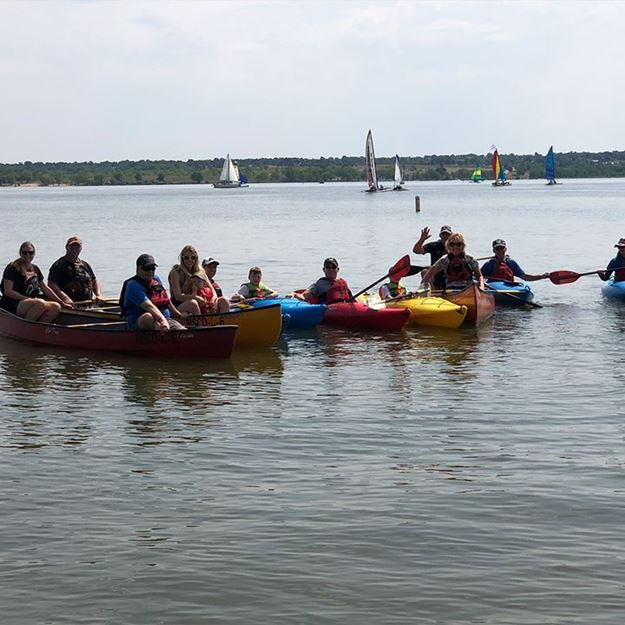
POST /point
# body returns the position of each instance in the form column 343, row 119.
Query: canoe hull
column 302, row 315
column 213, row 342
column 518, row 293
column 614, row 290
column 432, row 311
column 358, row 316
column 480, row 305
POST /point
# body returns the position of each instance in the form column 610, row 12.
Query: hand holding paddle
column 398, row 271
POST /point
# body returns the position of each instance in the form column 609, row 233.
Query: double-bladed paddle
column 566, row 277
column 398, row 271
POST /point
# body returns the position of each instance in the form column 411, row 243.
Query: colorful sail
column 476, row 176
column 550, row 167
column 372, row 174
column 496, row 165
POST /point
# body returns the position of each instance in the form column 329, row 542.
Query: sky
column 92, row 80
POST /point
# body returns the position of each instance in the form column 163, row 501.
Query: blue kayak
column 510, row 293
column 613, row 290
column 302, row 315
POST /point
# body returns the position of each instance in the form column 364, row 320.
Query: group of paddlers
column 146, row 304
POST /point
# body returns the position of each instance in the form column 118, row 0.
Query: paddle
column 566, row 277
column 398, row 271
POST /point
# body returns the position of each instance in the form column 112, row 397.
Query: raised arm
column 418, row 246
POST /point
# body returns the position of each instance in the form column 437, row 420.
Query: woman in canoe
column 616, row 265
column 24, row 291
column 254, row 288
column 183, row 295
column 460, row 268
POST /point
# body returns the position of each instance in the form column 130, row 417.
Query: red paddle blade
column 400, row 269
column 563, row 277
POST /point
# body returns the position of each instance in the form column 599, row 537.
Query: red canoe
column 480, row 305
column 212, row 342
column 355, row 315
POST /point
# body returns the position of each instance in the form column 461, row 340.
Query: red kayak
column 355, row 315
column 480, row 305
column 113, row 336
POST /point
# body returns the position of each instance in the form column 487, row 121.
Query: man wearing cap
column 144, row 301
column 327, row 290
column 210, row 267
column 502, row 267
column 616, row 265
column 72, row 278
column 436, row 250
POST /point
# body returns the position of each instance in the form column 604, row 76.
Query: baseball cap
column 621, row 243
column 145, row 260
column 73, row 239
column 331, row 261
column 209, row 261
column 446, row 229
column 499, row 243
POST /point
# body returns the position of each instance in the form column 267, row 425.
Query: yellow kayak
column 426, row 311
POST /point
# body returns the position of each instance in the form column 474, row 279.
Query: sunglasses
column 189, row 257
column 330, row 267
column 455, row 244
column 149, row 268
column 27, row 252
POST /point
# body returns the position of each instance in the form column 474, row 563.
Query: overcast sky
column 99, row 81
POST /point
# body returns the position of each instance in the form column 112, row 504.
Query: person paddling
column 458, row 267
column 436, row 250
column 330, row 289
column 144, row 300
column 255, row 288
column 616, row 265
column 503, row 268
column 72, row 278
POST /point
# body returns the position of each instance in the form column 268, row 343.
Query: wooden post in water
column 417, row 204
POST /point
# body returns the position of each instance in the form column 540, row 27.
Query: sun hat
column 446, row 229
column 331, row 261
column 145, row 260
column 621, row 242
column 73, row 239
column 499, row 243
column 209, row 261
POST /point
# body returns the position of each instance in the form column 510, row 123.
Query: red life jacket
column 458, row 269
column 157, row 294
column 502, row 271
column 338, row 292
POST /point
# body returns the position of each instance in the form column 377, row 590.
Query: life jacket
column 394, row 288
column 458, row 269
column 502, row 271
column 32, row 287
column 80, row 287
column 216, row 287
column 259, row 290
column 338, row 292
column 154, row 291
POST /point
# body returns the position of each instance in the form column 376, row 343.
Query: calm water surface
column 469, row 476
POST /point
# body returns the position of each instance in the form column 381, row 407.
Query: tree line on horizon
column 293, row 169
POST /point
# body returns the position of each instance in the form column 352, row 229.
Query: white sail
column 229, row 172
column 372, row 174
column 399, row 175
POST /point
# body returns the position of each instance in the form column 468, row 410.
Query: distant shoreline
column 293, row 169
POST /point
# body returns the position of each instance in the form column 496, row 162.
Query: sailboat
column 399, row 176
column 550, row 168
column 229, row 177
column 372, row 174
column 499, row 175
column 476, row 176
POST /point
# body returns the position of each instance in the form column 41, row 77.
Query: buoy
column 417, row 203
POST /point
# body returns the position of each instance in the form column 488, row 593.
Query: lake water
column 458, row 477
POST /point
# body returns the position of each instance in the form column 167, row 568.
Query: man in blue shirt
column 502, row 267
column 145, row 302
column 616, row 265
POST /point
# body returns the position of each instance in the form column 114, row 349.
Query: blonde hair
column 184, row 273
column 456, row 237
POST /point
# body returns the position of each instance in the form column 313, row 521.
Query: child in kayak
column 254, row 289
column 392, row 289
